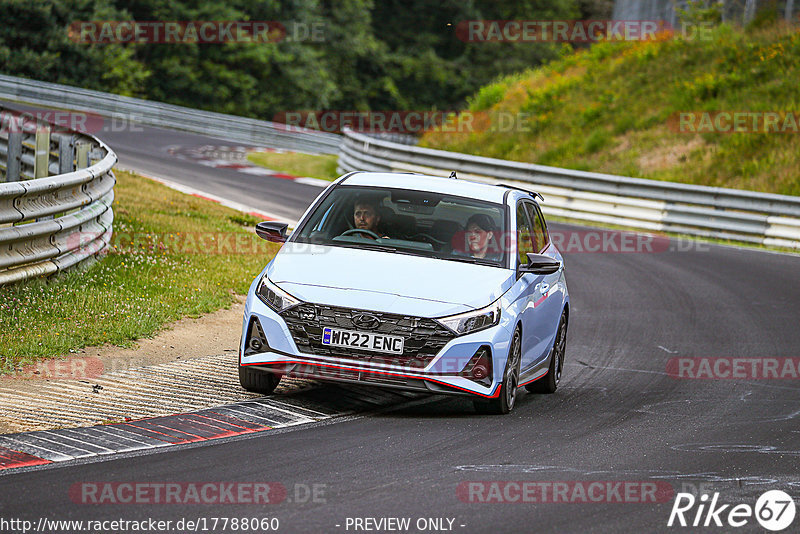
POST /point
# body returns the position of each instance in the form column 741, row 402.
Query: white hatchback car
column 423, row 283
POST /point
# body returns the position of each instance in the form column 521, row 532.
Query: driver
column 366, row 216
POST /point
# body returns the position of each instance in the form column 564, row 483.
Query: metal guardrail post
column 14, row 158
column 66, row 154
column 41, row 161
column 82, row 155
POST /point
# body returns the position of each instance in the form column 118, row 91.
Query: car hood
column 385, row 281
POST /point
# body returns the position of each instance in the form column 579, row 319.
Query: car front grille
column 424, row 338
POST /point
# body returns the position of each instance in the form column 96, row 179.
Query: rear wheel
column 258, row 381
column 549, row 382
column 504, row 403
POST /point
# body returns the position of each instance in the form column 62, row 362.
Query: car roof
column 423, row 182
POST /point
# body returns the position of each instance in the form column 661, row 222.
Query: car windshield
column 409, row 222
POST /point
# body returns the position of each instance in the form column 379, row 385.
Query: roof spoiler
column 532, row 193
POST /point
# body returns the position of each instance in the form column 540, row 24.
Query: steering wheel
column 361, row 231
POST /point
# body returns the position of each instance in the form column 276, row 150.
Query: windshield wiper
column 370, row 246
column 477, row 261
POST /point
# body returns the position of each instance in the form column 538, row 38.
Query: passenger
column 481, row 238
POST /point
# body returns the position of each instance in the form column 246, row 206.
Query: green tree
column 37, row 45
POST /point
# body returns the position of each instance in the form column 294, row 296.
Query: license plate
column 362, row 340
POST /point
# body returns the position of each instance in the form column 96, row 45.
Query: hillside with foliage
column 615, row 108
column 382, row 55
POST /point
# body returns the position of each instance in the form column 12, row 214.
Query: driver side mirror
column 540, row 264
column 272, row 231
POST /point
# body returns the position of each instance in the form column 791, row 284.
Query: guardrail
column 713, row 212
column 228, row 127
column 56, row 191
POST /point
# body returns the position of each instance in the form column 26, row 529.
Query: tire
column 549, row 382
column 257, row 381
column 504, row 403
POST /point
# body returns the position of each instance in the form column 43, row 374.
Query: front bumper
column 280, row 354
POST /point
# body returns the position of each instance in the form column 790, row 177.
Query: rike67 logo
column 774, row 510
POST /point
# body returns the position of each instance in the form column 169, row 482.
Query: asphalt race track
column 617, row 416
column 146, row 152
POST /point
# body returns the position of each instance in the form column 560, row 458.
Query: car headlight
column 466, row 323
column 275, row 297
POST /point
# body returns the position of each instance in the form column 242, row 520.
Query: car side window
column 543, row 226
column 540, row 237
column 524, row 234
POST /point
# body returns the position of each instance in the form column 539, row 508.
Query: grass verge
column 173, row 255
column 321, row 166
column 616, row 107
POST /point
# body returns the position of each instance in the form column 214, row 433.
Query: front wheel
column 504, row 403
column 549, row 382
column 258, row 381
